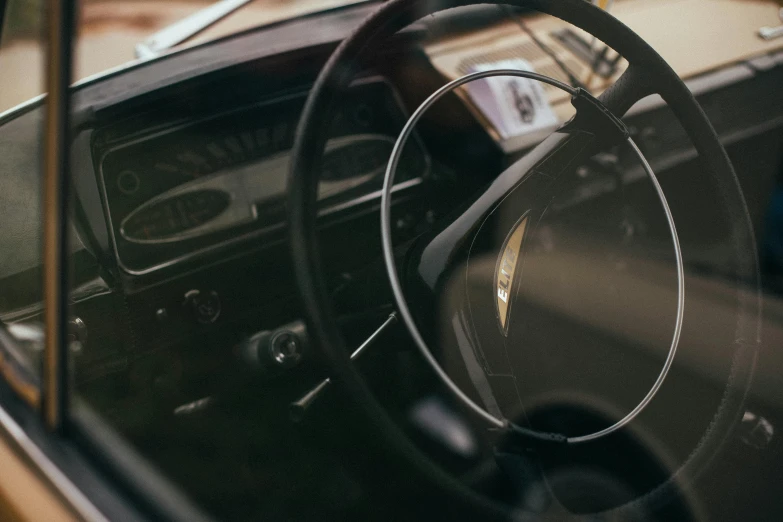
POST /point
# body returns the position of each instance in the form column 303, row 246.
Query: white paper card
column 515, row 106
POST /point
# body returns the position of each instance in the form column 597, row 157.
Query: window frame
column 88, row 466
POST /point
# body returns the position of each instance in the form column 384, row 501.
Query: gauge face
column 175, row 217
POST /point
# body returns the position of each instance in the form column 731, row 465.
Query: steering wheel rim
column 647, row 74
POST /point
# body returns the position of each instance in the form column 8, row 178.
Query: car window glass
column 556, row 309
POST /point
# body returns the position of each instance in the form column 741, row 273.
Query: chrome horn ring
column 399, row 297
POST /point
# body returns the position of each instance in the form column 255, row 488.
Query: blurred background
column 110, row 29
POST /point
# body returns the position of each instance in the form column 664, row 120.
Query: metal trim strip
column 14, row 433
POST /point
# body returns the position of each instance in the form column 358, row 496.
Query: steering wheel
column 647, row 74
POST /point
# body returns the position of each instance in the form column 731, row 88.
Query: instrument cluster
column 176, row 193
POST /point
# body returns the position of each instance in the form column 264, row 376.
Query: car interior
column 421, row 260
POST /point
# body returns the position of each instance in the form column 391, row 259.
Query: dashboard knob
column 280, row 349
column 205, row 306
column 285, row 348
column 77, row 330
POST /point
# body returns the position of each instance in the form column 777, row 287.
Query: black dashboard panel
column 195, row 186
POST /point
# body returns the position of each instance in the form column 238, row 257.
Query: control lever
column 300, row 407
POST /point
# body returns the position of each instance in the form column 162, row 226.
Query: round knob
column 77, row 330
column 205, row 306
column 285, row 348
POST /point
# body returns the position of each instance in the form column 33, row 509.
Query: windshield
column 110, row 30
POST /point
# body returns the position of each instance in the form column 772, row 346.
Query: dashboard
column 179, row 192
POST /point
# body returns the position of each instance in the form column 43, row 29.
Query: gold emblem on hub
column 504, row 272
